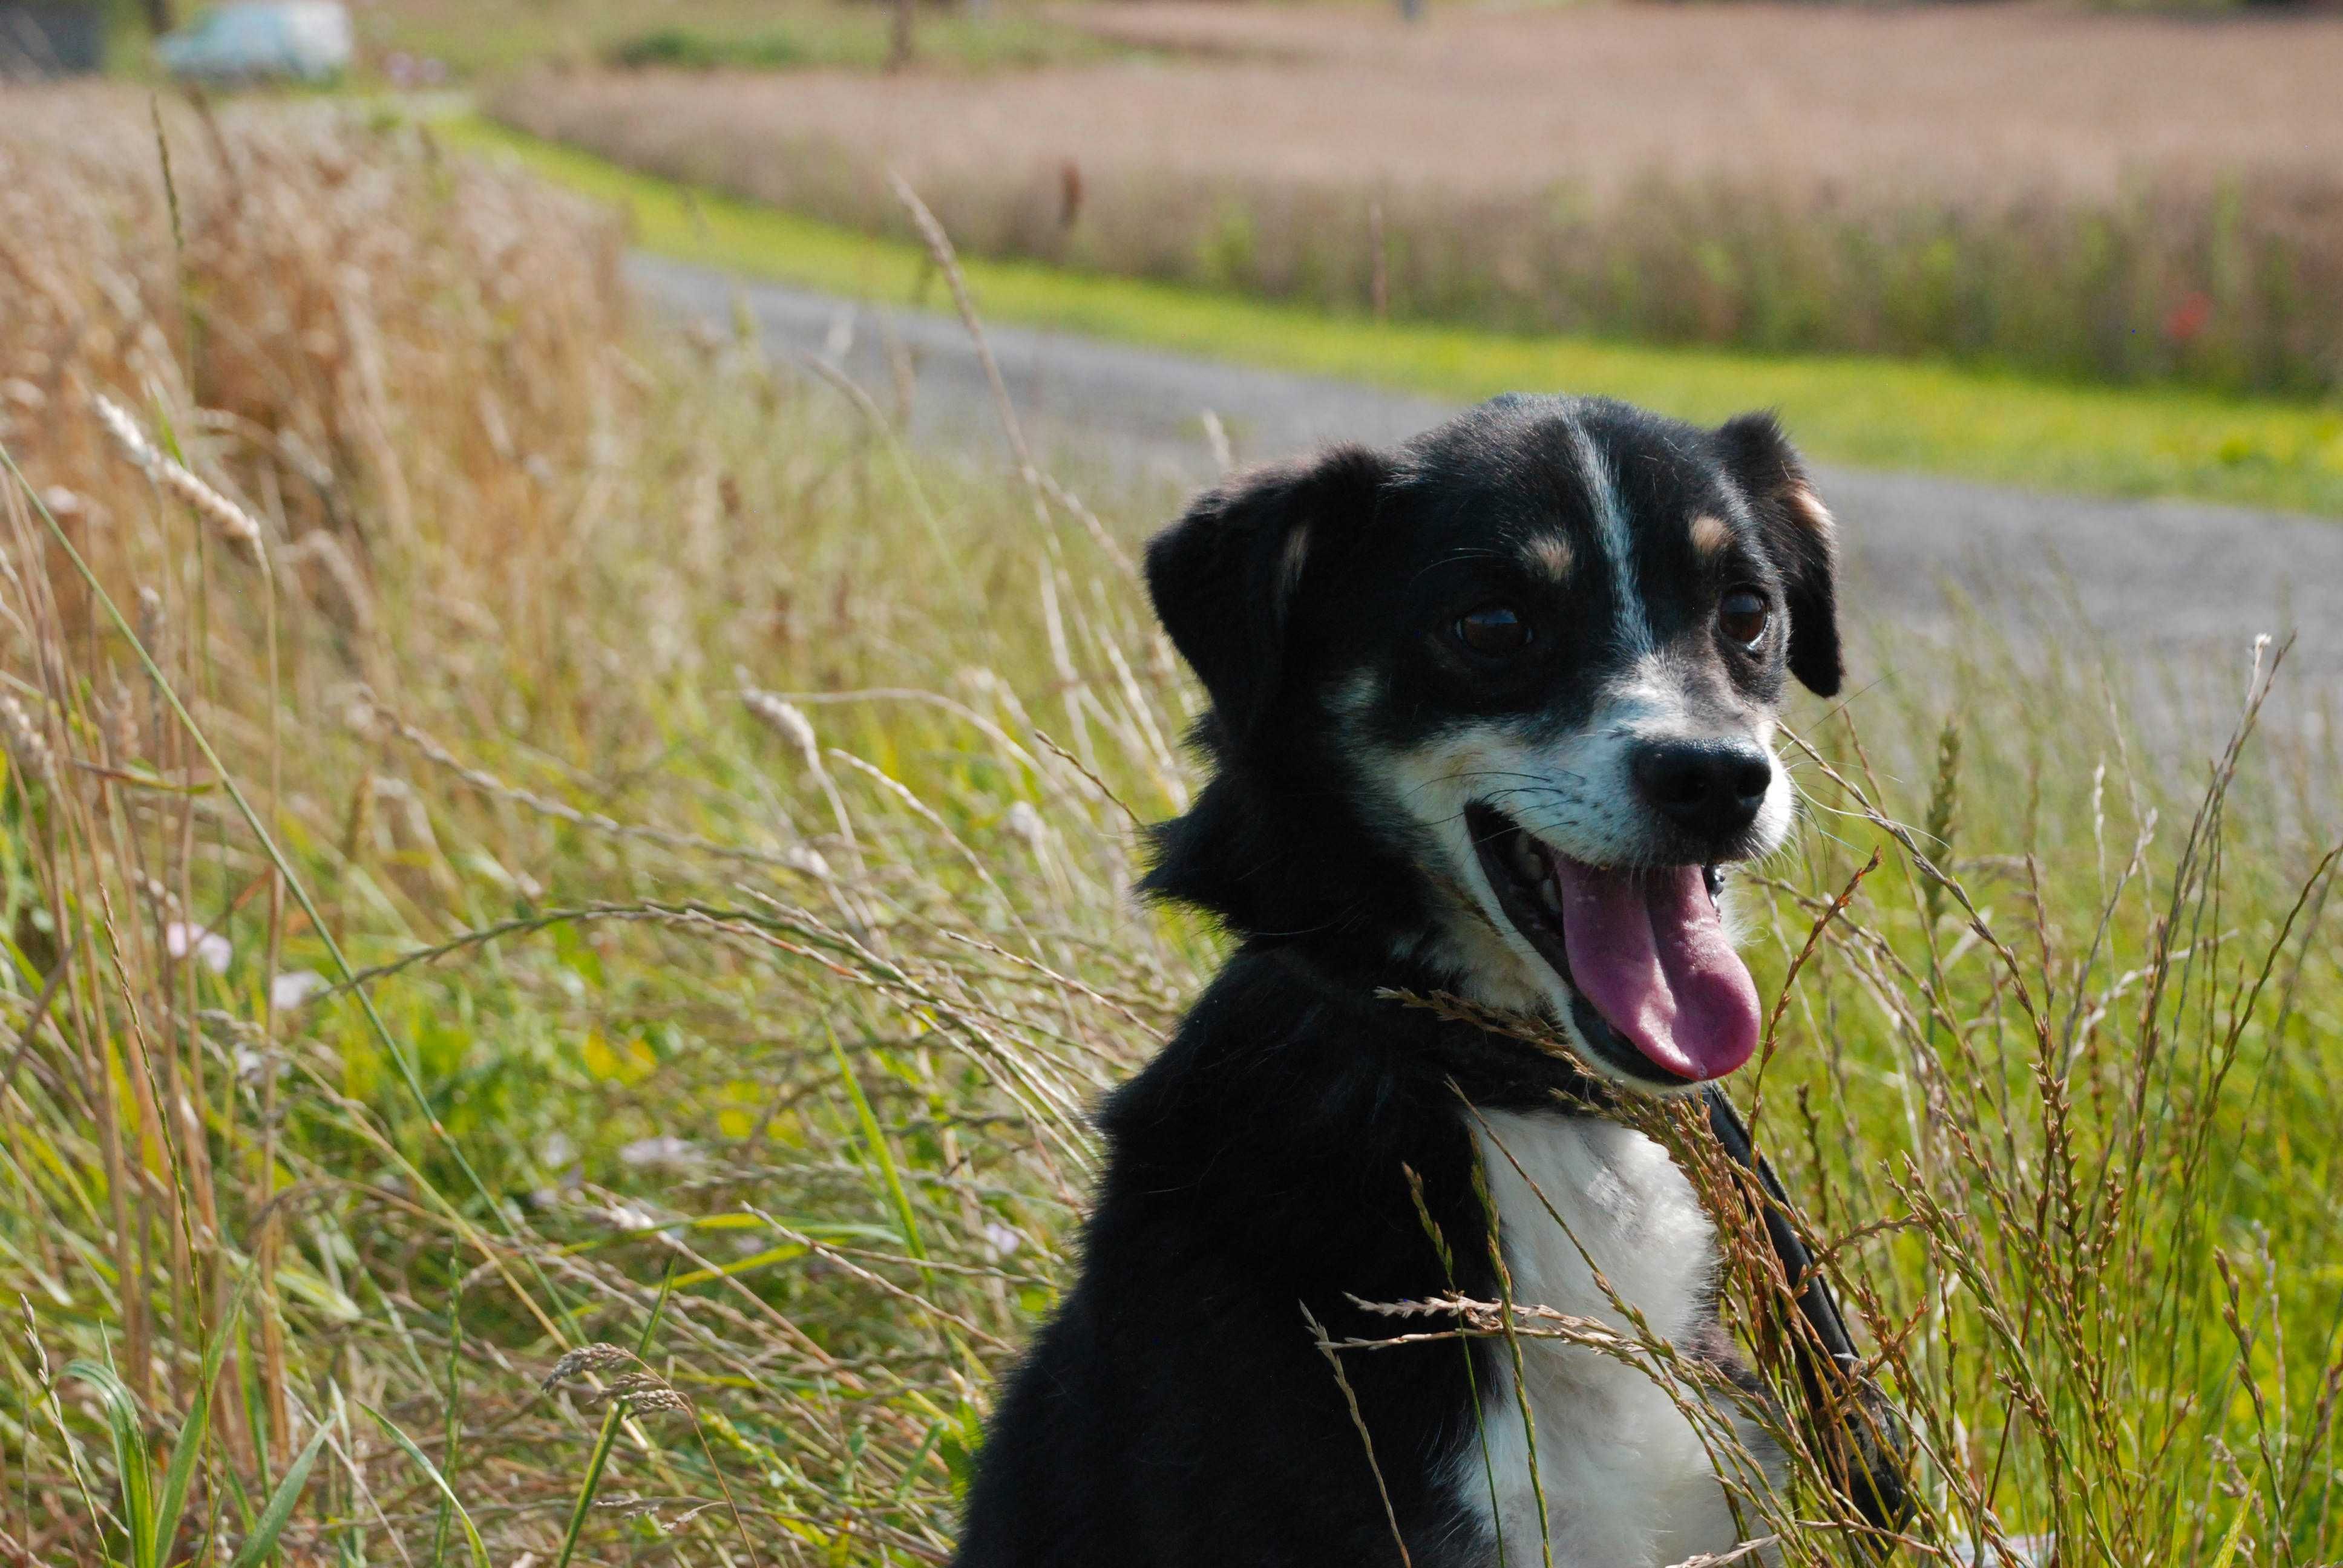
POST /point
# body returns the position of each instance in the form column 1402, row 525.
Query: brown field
column 2092, row 193
column 1955, row 99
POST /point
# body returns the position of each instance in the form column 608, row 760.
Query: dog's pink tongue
column 1648, row 950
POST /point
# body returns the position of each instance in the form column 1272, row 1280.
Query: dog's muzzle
column 1656, row 986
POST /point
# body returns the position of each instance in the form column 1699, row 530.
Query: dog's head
column 1503, row 701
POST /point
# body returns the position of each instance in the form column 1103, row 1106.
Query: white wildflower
column 629, row 1217
column 252, row 1066
column 294, row 986
column 664, row 1152
column 208, row 949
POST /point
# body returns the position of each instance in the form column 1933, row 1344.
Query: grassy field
column 550, row 982
column 1867, row 412
column 2035, row 187
column 477, row 40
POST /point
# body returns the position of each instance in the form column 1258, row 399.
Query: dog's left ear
column 1800, row 536
column 1224, row 578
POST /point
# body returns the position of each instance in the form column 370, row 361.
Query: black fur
column 1175, row 1411
column 1763, row 463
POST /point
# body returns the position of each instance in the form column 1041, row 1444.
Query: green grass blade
column 591, row 1483
column 279, row 1512
column 2228, row 1551
column 877, row 1138
column 423, row 1462
column 130, row 1460
column 455, row 1429
column 190, row 1445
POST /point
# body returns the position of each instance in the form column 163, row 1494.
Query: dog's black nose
column 1711, row 789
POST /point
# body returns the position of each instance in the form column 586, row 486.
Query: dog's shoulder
column 1258, row 1171
column 1279, row 1081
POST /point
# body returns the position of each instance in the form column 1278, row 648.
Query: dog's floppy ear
column 1225, row 577
column 1799, row 536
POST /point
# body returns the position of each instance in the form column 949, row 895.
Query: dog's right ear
column 1225, row 576
column 1800, row 537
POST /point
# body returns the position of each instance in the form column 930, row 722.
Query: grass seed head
column 232, row 522
column 25, row 743
column 592, row 1358
column 788, row 720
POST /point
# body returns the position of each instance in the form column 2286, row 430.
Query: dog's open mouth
column 1656, row 986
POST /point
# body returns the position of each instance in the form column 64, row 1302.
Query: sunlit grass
column 730, row 817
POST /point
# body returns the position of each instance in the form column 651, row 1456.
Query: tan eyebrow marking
column 1709, row 534
column 1807, row 510
column 1551, row 554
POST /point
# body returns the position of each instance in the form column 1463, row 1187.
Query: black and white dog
column 1488, row 713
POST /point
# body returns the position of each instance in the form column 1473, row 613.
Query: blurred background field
column 727, row 805
column 2123, row 198
column 1867, row 410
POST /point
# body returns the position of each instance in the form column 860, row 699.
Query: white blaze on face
column 1634, row 629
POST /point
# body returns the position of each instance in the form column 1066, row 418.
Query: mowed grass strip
column 479, row 38
column 1867, row 412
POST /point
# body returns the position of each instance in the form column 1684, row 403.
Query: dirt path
column 2169, row 594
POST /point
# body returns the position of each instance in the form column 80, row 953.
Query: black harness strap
column 1869, row 1442
column 1813, row 1292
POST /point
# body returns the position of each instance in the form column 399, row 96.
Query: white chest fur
column 1628, row 1483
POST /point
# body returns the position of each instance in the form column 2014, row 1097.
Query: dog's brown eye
column 1742, row 615
column 1493, row 631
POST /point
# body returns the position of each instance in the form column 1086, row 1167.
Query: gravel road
column 2170, row 594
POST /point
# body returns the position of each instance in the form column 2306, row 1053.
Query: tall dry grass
column 584, row 1009
column 802, row 999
